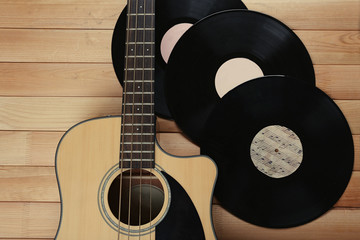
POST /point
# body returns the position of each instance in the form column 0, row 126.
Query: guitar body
column 87, row 163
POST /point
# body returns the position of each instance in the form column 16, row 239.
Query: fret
column 138, row 119
column 138, row 114
column 138, row 21
column 138, row 138
column 132, row 76
column 139, row 92
column 139, row 86
column 138, row 98
column 146, row 56
column 139, row 69
column 138, row 109
column 139, row 63
column 138, row 146
column 138, row 151
column 139, row 104
column 141, row 36
column 138, row 134
column 142, row 14
column 139, row 43
column 141, row 50
column 129, row 155
column 139, row 81
column 141, row 6
column 139, row 124
column 136, row 159
column 137, row 164
column 141, row 29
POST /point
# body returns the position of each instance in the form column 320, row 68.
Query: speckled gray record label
column 275, row 116
column 276, row 151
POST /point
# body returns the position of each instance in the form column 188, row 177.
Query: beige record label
column 276, row 151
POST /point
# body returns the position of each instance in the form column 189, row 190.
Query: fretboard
column 138, row 118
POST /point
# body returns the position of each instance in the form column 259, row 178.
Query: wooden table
column 55, row 71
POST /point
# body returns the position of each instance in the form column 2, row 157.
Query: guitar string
column 122, row 132
column 133, row 117
column 152, row 53
column 142, row 115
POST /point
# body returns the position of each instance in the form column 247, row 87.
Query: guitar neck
column 138, row 117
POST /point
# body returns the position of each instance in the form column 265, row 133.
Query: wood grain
column 38, row 184
column 40, row 220
column 58, row 79
column 307, row 14
column 29, row 220
column 19, row 148
column 334, row 225
column 55, row 70
column 99, row 80
column 60, row 113
column 28, row 184
column 339, row 81
column 39, row 45
column 86, row 46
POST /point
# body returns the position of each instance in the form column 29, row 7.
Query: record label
column 276, row 151
column 235, row 72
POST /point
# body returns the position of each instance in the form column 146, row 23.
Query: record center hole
column 171, row 37
column 146, row 201
column 235, row 72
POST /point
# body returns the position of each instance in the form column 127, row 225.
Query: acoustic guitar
column 115, row 181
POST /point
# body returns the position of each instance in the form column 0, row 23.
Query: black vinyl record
column 192, row 67
column 327, row 151
column 168, row 14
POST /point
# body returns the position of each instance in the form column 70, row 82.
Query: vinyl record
column 169, row 13
column 200, row 53
column 284, row 151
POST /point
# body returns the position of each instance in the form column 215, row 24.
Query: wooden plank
column 310, row 14
column 29, row 220
column 54, row 79
column 53, row 113
column 60, row 14
column 332, row 47
column 18, row 148
column 99, row 80
column 38, row 184
column 351, row 111
column 336, row 224
column 351, row 196
column 40, row 220
column 28, row 148
column 60, row 113
column 307, row 14
column 339, row 81
column 38, row 45
column 177, row 144
column 28, row 184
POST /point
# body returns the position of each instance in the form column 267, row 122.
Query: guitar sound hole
column 141, row 192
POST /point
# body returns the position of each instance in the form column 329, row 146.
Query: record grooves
column 168, row 14
column 326, row 144
column 193, row 64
